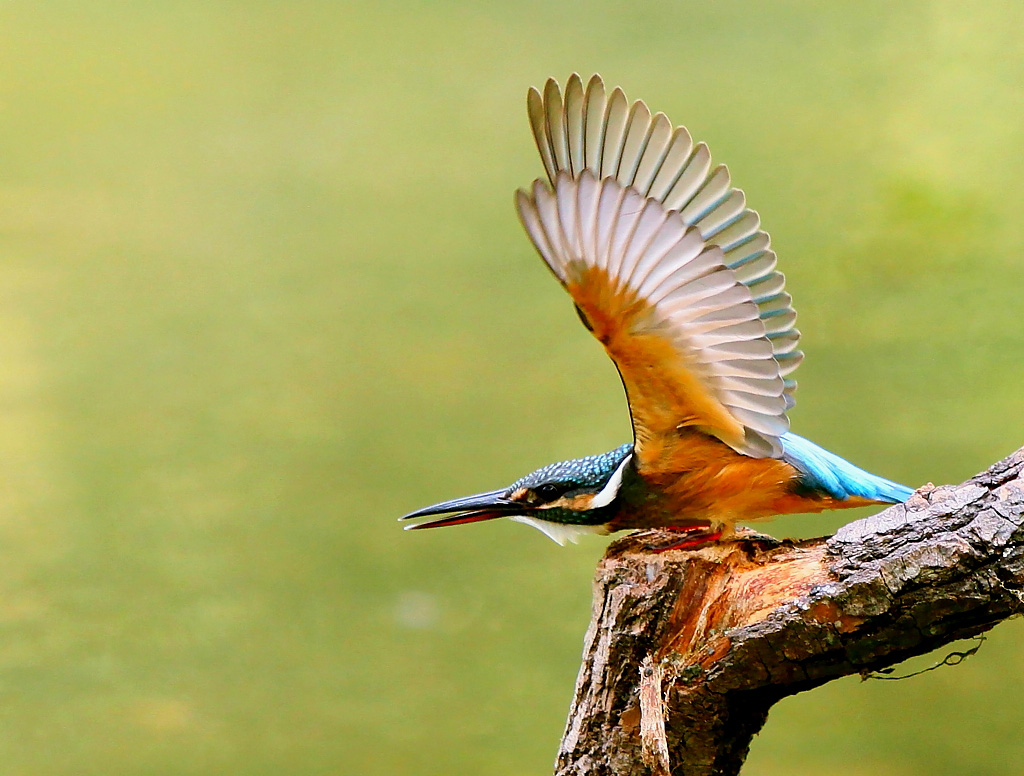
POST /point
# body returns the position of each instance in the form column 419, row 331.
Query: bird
column 669, row 269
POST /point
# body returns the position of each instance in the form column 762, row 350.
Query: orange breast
column 700, row 478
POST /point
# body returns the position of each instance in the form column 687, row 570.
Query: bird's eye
column 547, row 492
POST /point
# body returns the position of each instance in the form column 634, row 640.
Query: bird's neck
column 635, row 494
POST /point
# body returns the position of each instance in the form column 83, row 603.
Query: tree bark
column 688, row 650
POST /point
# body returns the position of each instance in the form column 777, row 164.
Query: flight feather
column 685, row 333
column 588, row 128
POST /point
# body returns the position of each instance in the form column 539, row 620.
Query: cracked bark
column 688, row 650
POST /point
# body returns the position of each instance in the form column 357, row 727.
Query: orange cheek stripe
column 578, row 503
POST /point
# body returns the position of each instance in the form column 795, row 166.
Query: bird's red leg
column 696, row 536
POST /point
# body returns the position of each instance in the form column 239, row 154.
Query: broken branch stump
column 689, row 649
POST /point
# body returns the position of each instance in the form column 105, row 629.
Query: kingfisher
column 671, row 272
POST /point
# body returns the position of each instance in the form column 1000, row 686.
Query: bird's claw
column 692, row 539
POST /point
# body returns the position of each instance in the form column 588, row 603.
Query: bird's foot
column 696, row 536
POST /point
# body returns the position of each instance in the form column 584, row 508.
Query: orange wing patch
column 663, row 394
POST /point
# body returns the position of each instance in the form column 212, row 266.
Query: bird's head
column 561, row 499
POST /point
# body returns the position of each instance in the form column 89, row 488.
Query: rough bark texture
column 689, row 649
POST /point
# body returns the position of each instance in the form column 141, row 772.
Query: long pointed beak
column 493, row 501
column 460, row 518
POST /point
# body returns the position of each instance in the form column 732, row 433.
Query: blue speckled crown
column 589, row 472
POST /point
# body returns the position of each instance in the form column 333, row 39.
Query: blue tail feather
column 827, row 472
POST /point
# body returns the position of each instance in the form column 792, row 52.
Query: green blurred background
column 262, row 289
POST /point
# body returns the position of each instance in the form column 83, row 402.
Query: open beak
column 469, row 509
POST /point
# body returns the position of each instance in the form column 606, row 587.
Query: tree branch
column 689, row 649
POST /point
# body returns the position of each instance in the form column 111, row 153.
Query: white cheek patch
column 611, row 488
column 560, row 532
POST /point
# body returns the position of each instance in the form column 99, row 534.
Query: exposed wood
column 688, row 650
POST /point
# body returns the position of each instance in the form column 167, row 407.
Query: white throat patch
column 560, row 532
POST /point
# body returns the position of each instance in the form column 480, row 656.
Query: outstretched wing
column 684, row 331
column 588, row 129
